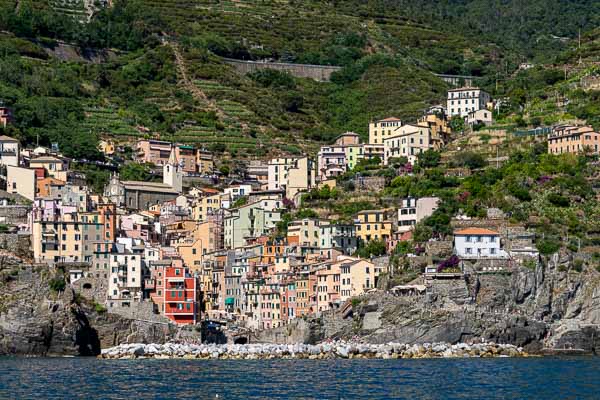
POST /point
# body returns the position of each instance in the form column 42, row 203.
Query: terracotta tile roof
column 390, row 119
column 475, row 231
column 406, row 236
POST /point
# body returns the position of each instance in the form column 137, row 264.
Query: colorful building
column 372, row 225
column 573, row 139
column 176, row 293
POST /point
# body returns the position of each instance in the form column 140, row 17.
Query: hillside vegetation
column 166, row 78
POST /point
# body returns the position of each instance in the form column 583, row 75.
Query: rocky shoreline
column 331, row 350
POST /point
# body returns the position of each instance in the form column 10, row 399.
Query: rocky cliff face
column 36, row 320
column 550, row 307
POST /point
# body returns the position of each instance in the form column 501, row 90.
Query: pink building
column 156, row 152
column 332, row 161
column 186, row 155
column 328, row 286
column 288, row 300
column 139, row 226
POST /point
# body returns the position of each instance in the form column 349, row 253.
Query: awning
column 229, row 301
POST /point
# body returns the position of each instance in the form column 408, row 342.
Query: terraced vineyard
column 79, row 9
column 107, row 121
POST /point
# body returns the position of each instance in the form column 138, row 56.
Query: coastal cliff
column 36, row 319
column 550, row 307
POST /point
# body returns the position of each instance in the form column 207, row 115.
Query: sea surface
column 89, row 378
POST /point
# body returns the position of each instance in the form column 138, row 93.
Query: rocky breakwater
column 339, row 349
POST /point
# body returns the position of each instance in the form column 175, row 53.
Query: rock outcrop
column 549, row 307
column 38, row 320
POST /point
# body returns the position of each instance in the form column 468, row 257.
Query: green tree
column 428, row 159
column 373, row 248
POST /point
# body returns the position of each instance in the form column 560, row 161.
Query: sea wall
column 330, row 350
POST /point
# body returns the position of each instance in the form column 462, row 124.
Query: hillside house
column 573, row 139
column 463, row 101
column 473, row 243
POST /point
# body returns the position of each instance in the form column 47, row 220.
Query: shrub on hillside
column 558, row 200
column 57, row 284
column 548, row 246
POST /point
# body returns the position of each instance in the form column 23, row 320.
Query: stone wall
column 18, row 244
column 439, row 249
column 91, row 288
column 143, row 311
column 297, row 331
column 14, row 214
column 369, row 183
column 321, row 73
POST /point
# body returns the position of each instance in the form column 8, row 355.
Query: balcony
column 50, row 241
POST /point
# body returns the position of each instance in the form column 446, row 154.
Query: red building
column 176, row 293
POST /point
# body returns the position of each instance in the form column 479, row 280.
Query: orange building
column 45, row 186
column 108, row 217
column 573, row 139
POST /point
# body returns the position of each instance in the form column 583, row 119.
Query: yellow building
column 293, row 175
column 67, row 240
column 372, row 225
column 205, row 206
column 205, row 162
column 438, row 125
column 56, row 167
column 382, row 129
column 203, row 239
column 107, row 147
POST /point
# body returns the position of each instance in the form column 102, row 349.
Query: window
column 468, row 250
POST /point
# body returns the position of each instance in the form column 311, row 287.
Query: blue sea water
column 81, row 378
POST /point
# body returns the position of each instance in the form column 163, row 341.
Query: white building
column 9, row 151
column 407, row 141
column 233, row 193
column 331, row 161
column 478, row 243
column 415, row 210
column 125, row 279
column 479, row 117
column 293, row 175
column 21, row 181
column 464, row 100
